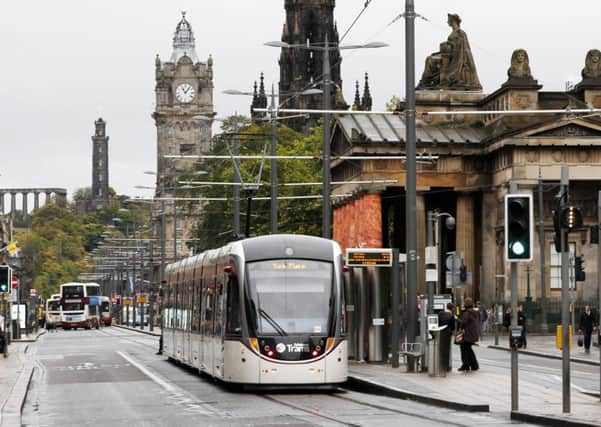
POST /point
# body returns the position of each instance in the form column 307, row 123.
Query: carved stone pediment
column 569, row 130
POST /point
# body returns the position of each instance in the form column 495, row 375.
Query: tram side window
column 219, row 295
column 233, row 324
column 194, row 308
column 178, row 305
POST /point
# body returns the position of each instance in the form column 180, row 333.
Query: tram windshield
column 290, row 296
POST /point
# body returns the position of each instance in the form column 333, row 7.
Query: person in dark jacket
column 587, row 325
column 447, row 318
column 522, row 323
column 469, row 322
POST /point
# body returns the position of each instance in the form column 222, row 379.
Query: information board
column 368, row 257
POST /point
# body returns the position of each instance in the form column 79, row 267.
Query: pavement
column 15, row 374
column 488, row 391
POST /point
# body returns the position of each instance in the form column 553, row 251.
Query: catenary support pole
column 515, row 398
column 326, row 214
column 599, row 280
column 396, row 304
column 410, row 199
column 237, row 180
column 541, row 236
column 151, row 289
column 274, row 167
column 565, row 298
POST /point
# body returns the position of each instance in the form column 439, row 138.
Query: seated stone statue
column 520, row 65
column 592, row 65
column 453, row 67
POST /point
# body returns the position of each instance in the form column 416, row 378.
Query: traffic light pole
column 513, row 188
column 565, row 300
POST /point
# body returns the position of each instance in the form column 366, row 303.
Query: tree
column 393, row 104
column 295, row 216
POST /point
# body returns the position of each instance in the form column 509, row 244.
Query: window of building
column 556, row 267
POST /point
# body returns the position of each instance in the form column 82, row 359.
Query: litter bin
column 436, row 350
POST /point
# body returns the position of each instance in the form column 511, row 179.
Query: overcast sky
column 67, row 62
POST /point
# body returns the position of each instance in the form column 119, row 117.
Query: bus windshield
column 290, row 296
column 104, row 307
column 54, row 306
column 72, row 292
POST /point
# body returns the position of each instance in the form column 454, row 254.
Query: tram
column 263, row 311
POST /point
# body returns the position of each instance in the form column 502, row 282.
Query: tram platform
column 489, row 388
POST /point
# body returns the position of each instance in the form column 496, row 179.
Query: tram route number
column 366, row 257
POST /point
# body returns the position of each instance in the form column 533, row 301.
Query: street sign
column 94, row 301
column 455, row 282
column 33, row 293
column 453, row 262
column 142, row 299
column 368, row 257
column 14, row 282
column 127, row 301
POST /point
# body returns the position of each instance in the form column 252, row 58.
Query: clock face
column 185, row 93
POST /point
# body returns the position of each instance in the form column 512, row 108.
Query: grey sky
column 67, row 62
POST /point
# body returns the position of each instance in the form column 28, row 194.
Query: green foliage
column 54, row 248
column 294, row 216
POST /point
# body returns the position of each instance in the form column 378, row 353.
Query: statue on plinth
column 452, row 68
column 592, row 65
column 520, row 65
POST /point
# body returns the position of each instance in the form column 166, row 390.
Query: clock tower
column 183, row 90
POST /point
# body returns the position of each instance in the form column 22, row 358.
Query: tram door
column 206, row 327
column 218, row 323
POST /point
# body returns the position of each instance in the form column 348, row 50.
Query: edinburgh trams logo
column 292, row 348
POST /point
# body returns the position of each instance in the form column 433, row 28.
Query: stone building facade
column 466, row 164
column 184, row 91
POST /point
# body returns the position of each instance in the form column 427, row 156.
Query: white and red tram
column 267, row 310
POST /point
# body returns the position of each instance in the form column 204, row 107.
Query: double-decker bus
column 264, row 311
column 106, row 311
column 80, row 305
column 53, row 310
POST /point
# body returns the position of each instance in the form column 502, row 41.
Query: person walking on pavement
column 587, row 325
column 469, row 322
column 522, row 323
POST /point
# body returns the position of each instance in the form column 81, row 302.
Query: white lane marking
column 153, row 377
column 175, row 394
column 574, row 386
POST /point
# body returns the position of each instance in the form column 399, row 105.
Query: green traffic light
column 518, row 249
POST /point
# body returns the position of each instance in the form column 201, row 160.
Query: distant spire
column 183, row 41
column 366, row 102
column 259, row 99
column 357, row 101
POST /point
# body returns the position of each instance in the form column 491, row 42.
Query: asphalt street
column 112, row 377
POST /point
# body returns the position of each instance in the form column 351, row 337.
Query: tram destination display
column 368, row 257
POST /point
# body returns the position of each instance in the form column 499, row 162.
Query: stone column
column 465, row 235
column 421, row 243
column 24, row 195
column 48, row 196
column 36, row 200
column 489, row 282
column 13, row 202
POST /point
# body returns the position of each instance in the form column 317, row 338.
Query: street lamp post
column 326, row 208
column 273, row 146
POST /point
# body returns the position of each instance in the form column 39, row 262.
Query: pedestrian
column 447, row 318
column 522, row 323
column 469, row 323
column 507, row 318
column 587, row 325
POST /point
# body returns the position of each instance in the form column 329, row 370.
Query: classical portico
column 466, row 164
column 57, row 194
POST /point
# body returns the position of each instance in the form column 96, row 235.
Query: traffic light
column 5, row 278
column 571, row 218
column 518, row 227
column 579, row 273
column 463, row 273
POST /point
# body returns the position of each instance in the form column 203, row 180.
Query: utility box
column 559, row 336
